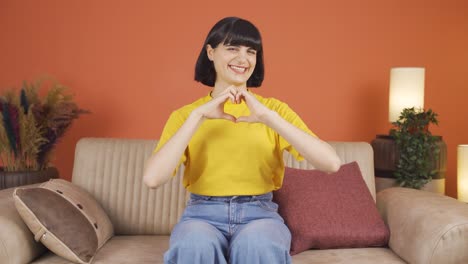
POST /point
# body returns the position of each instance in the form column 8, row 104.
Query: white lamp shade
column 406, row 90
column 462, row 172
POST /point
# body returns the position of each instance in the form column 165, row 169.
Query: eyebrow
column 250, row 48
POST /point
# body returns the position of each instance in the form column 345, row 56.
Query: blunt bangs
column 243, row 33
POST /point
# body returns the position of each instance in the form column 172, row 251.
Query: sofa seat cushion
column 150, row 249
column 121, row 250
column 348, row 256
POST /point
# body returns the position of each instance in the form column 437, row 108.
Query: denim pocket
column 267, row 205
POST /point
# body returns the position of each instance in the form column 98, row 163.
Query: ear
column 209, row 52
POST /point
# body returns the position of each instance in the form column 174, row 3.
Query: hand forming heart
column 214, row 109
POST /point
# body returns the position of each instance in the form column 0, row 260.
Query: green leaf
column 418, row 149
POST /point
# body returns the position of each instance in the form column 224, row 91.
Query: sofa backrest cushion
column 112, row 171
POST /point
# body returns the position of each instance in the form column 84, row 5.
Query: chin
column 239, row 81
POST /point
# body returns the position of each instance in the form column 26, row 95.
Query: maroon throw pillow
column 327, row 211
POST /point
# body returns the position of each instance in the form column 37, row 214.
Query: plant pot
column 386, row 156
column 9, row 179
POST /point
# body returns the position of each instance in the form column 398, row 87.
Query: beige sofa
column 425, row 227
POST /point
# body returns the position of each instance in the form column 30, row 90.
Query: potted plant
column 30, row 128
column 417, row 149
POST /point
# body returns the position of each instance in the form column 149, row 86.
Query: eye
column 231, row 48
column 253, row 52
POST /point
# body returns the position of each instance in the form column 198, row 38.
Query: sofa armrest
column 425, row 227
column 17, row 244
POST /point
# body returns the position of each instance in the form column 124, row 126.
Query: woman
column 231, row 143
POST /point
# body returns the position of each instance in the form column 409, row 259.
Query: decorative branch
column 30, row 128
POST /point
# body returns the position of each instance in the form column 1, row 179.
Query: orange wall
column 131, row 62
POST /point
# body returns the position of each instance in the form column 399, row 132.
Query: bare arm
column 315, row 151
column 160, row 165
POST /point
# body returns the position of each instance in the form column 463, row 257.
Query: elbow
column 151, row 180
column 334, row 162
column 328, row 166
column 334, row 165
column 151, row 175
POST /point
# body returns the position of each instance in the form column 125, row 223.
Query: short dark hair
column 231, row 31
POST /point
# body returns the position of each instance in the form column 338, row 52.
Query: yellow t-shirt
column 226, row 158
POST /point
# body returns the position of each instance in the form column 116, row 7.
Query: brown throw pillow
column 325, row 211
column 65, row 218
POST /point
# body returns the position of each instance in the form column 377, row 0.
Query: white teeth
column 238, row 68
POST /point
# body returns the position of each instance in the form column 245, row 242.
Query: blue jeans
column 230, row 229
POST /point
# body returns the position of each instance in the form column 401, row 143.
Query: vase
column 9, row 179
column 386, row 156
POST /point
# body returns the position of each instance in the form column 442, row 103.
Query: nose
column 242, row 56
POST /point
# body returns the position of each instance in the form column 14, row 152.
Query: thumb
column 228, row 117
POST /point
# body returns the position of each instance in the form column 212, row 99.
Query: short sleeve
column 173, row 124
column 289, row 115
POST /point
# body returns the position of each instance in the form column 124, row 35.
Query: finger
column 233, row 99
column 226, row 91
column 228, row 117
column 223, row 98
column 229, row 96
column 244, row 94
column 238, row 98
column 233, row 93
column 230, row 91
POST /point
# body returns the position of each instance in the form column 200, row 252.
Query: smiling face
column 233, row 64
